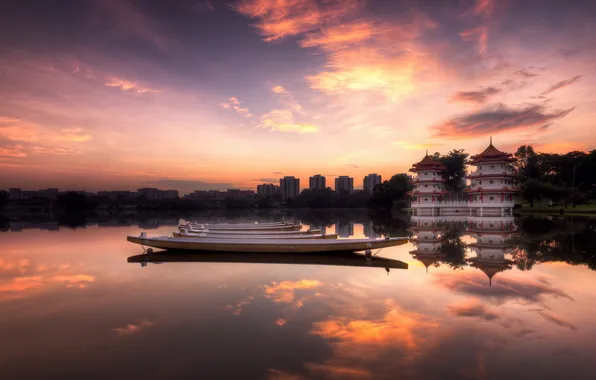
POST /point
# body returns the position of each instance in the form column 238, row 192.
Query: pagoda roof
column 490, row 268
column 491, row 154
column 427, row 163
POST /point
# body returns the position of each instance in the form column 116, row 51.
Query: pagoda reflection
column 493, row 235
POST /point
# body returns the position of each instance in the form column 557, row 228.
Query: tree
column 388, row 192
column 527, row 162
column 455, row 169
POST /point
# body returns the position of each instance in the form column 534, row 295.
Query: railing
column 491, row 172
column 463, row 204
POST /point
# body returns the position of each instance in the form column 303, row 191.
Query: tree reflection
column 453, row 248
column 569, row 240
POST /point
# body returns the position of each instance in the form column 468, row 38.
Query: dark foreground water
column 72, row 307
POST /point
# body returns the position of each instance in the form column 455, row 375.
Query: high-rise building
column 317, row 181
column 289, row 187
column 267, row 190
column 370, row 181
column 344, row 183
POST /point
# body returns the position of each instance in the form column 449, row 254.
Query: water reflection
column 72, row 304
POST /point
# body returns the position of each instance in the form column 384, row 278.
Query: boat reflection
column 335, row 259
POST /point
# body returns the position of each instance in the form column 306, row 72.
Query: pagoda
column 429, row 189
column 492, row 234
column 492, row 184
column 427, row 232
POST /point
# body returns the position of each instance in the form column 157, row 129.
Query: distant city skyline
column 122, row 94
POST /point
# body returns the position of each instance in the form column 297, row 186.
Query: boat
column 201, row 235
column 287, row 227
column 335, row 259
column 251, row 233
column 265, row 245
column 267, row 224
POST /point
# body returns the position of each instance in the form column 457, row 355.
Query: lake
column 481, row 299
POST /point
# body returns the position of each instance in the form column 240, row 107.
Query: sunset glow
column 212, row 94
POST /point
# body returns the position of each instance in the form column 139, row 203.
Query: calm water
column 72, row 307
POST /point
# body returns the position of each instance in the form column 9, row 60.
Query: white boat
column 202, row 235
column 265, row 245
column 285, row 227
column 266, row 224
column 250, row 233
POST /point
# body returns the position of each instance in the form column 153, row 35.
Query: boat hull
column 250, row 228
column 252, row 232
column 256, row 236
column 265, row 245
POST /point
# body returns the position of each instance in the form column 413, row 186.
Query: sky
column 206, row 94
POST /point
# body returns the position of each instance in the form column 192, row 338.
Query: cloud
column 498, row 118
column 127, row 85
column 561, row 84
column 354, row 166
column 75, row 135
column 278, row 89
column 13, row 151
column 473, row 309
column 234, row 103
column 278, row 19
column 277, row 173
column 525, row 73
column 556, row 320
column 284, row 291
column 283, row 120
column 133, row 328
column 505, row 289
column 479, row 35
column 288, row 100
column 479, row 97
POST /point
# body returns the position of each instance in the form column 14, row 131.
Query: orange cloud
column 126, row 85
column 74, row 281
column 75, row 135
column 133, row 328
column 234, row 103
column 283, row 120
column 278, row 19
column 285, row 291
column 288, row 100
column 14, row 151
column 280, row 322
column 345, row 34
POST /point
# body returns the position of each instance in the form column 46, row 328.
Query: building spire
column 491, row 140
column 427, row 152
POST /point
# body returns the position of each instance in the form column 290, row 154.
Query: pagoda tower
column 429, row 189
column 492, row 234
column 492, row 186
column 427, row 232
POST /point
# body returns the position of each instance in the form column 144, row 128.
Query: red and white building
column 427, row 232
column 429, row 189
column 491, row 187
column 492, row 184
column 492, row 235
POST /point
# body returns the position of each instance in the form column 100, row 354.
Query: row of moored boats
column 277, row 237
